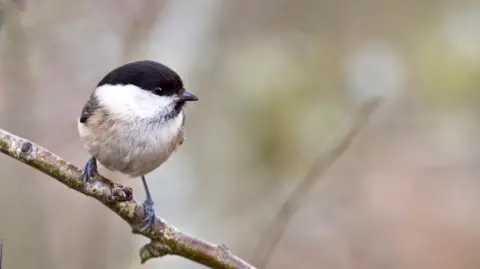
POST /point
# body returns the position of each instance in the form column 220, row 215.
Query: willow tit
column 133, row 122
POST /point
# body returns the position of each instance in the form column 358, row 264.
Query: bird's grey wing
column 90, row 106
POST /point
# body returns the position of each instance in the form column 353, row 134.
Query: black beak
column 188, row 96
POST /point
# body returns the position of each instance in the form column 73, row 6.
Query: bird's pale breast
column 132, row 148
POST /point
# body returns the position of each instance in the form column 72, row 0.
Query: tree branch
column 320, row 166
column 165, row 238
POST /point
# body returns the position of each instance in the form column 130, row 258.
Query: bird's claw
column 89, row 170
column 149, row 215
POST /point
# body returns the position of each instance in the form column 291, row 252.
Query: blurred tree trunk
column 137, row 37
column 23, row 225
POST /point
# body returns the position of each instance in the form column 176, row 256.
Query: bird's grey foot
column 149, row 215
column 149, row 210
column 89, row 169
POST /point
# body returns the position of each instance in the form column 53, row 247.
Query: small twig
column 165, row 238
column 277, row 227
column 1, row 252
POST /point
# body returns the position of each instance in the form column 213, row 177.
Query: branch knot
column 154, row 249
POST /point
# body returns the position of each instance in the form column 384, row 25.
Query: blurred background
column 280, row 84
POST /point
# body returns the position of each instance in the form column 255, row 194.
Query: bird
column 133, row 121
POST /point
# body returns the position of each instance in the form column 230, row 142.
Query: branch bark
column 165, row 239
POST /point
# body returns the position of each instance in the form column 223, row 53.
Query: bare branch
column 320, row 165
column 165, row 238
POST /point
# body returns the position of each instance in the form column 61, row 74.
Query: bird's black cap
column 150, row 76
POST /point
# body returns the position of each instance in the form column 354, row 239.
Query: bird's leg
column 89, row 169
column 148, row 205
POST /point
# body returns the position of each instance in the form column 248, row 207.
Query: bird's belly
column 131, row 151
column 134, row 156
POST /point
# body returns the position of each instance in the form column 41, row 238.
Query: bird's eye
column 158, row 91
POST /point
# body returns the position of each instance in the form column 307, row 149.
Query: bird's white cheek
column 159, row 102
column 147, row 107
column 131, row 102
